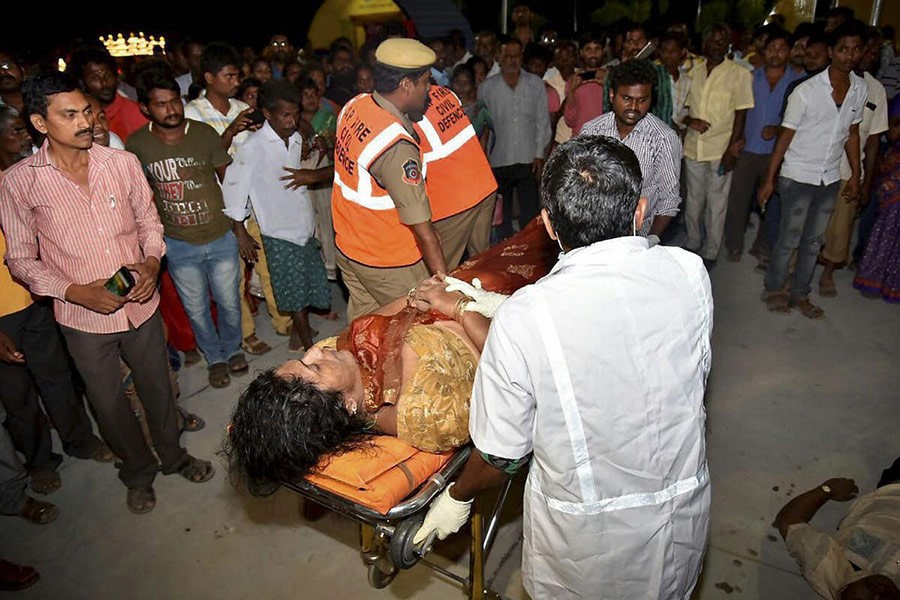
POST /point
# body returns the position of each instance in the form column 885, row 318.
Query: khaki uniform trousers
column 468, row 231
column 321, row 201
column 840, row 229
column 373, row 287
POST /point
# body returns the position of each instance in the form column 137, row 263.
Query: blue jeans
column 198, row 270
column 772, row 220
column 805, row 211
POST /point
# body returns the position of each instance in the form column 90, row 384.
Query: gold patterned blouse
column 433, row 407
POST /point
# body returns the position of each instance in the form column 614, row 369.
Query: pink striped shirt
column 57, row 234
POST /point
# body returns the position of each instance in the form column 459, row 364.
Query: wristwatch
column 827, row 490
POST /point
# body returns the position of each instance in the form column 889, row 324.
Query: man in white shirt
column 874, row 123
column 617, row 498
column 218, row 108
column 821, row 121
column 284, row 213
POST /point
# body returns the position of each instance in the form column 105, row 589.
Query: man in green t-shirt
column 182, row 160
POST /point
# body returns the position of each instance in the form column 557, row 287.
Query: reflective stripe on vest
column 591, row 504
column 459, row 175
column 439, row 148
column 366, row 223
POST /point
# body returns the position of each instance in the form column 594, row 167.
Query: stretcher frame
column 386, row 539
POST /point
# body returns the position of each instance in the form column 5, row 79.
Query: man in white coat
column 599, row 371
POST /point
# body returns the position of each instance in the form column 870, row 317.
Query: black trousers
column 143, row 348
column 46, row 370
column 520, row 179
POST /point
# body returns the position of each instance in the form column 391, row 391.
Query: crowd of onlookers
column 799, row 127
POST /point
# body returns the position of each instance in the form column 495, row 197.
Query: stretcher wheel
column 378, row 579
column 261, row 487
column 402, row 550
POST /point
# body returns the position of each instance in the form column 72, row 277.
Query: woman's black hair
column 246, row 84
column 307, row 83
column 463, row 69
column 282, row 427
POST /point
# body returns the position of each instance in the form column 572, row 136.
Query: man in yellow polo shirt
column 721, row 93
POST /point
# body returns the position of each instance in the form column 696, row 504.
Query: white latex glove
column 445, row 516
column 485, row 302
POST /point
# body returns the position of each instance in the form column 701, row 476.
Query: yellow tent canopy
column 337, row 18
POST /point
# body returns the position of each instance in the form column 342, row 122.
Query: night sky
column 50, row 31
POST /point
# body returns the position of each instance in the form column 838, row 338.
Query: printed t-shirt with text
column 183, row 178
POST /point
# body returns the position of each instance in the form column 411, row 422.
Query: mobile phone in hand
column 257, row 117
column 120, row 283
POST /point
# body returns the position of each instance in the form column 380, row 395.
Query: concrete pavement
column 791, row 403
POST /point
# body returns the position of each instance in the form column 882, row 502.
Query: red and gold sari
column 376, row 340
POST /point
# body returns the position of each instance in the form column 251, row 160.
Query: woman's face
column 309, row 100
column 480, row 73
column 319, row 78
column 326, row 368
column 250, row 95
column 262, row 70
column 462, row 85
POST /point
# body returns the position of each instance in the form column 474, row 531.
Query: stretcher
column 387, row 528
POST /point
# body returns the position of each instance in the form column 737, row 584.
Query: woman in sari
column 405, row 371
column 878, row 275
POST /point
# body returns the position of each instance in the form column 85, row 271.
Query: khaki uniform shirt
column 409, row 197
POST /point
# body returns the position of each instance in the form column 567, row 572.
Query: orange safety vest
column 366, row 224
column 459, row 174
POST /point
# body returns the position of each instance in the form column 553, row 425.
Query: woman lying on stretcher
column 405, row 371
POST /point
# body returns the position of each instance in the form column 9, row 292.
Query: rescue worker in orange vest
column 460, row 183
column 386, row 241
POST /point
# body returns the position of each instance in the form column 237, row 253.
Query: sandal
column 190, row 422
column 218, row 375
column 37, row 512
column 15, row 577
column 255, row 346
column 191, row 358
column 238, row 366
column 45, row 481
column 808, row 309
column 103, row 454
column 140, row 501
column 827, row 289
column 777, row 302
column 196, row 470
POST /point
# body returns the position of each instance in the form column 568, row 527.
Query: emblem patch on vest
column 412, row 174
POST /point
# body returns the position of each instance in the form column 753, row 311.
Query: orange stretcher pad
column 381, row 476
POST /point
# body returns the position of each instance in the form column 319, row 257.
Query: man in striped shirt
column 655, row 144
column 73, row 215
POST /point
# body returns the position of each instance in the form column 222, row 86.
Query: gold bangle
column 460, row 308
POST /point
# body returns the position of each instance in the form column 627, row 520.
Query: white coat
column 600, row 370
